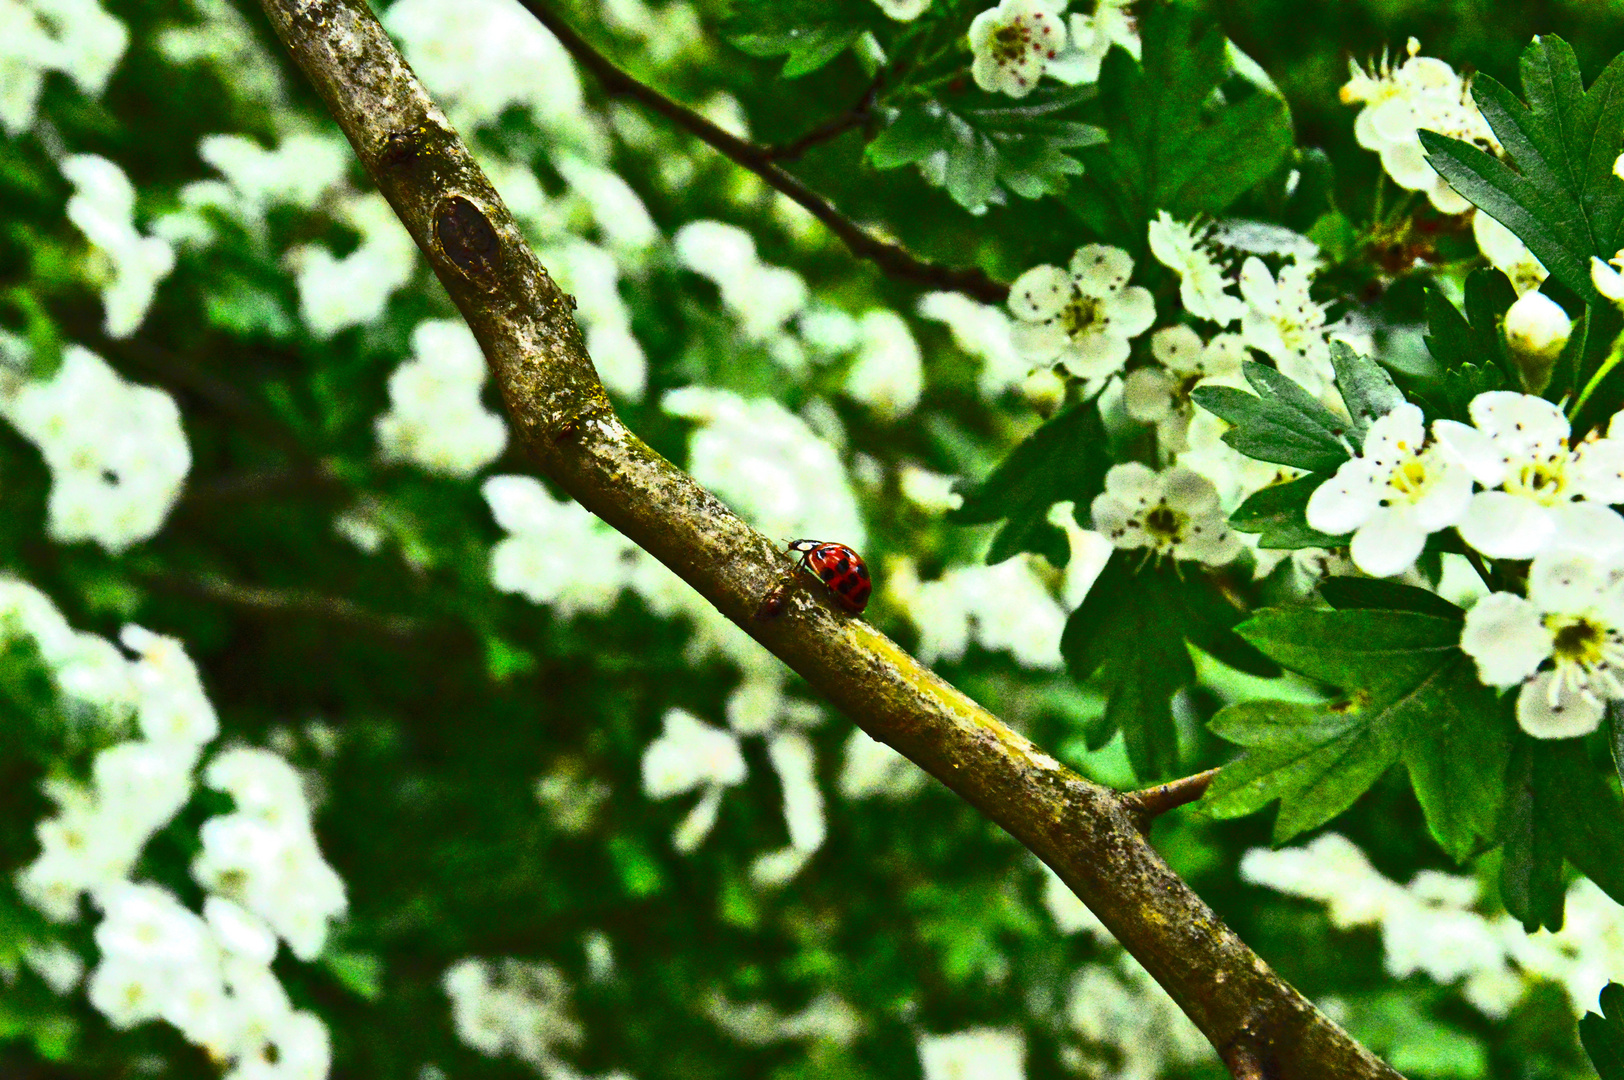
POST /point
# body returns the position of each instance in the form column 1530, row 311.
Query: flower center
column 1410, row 478
column 1010, row 42
column 1165, row 525
column 1579, row 639
column 1543, row 481
column 1082, row 315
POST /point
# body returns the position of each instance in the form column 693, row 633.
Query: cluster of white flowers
column 1015, row 44
column 1161, row 395
column 334, row 293
column 116, row 451
column 763, row 297
column 75, row 37
column 974, row 1054
column 126, row 265
column 1420, row 92
column 299, row 172
column 1007, row 607
column 513, row 1007
column 592, row 276
column 208, row 976
column 1536, row 497
column 1433, row 925
column 827, row 1018
column 981, row 331
column 436, row 420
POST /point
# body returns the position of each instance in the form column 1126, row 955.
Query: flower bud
column 1536, row 330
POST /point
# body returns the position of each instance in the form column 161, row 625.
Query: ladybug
column 838, row 567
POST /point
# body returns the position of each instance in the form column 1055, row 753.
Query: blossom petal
column 1094, row 355
column 1598, row 470
column 1130, row 311
column 1589, row 527
column 1547, row 710
column 1039, row 293
column 1521, row 424
column 1345, row 501
column 1133, row 483
column 1389, row 542
column 1147, row 394
column 1566, row 582
column 1038, row 343
column 1504, row 526
column 1474, row 450
column 1504, row 634
column 1099, row 270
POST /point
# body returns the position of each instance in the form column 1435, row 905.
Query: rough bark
column 1086, row 832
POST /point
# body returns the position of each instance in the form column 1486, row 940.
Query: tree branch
column 1152, row 802
column 893, row 259
column 1085, row 832
column 833, row 128
column 295, row 602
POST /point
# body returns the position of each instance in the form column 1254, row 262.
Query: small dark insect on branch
column 893, row 259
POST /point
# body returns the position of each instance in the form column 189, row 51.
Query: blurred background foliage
column 476, row 759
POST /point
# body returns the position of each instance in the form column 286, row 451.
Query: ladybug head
column 804, row 545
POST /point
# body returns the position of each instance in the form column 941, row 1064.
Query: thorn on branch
column 1149, row 803
column 893, row 259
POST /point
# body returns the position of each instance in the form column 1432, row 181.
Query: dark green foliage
column 988, row 143
column 1277, row 514
column 1186, row 135
column 1064, row 459
column 808, row 33
column 1407, row 694
column 1129, row 637
column 1281, row 422
column 1367, row 389
column 1603, row 1036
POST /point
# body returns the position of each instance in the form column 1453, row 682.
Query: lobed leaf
column 1281, row 422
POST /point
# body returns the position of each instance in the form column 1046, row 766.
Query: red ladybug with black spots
column 838, row 567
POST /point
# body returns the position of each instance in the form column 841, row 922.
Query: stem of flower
column 1614, row 355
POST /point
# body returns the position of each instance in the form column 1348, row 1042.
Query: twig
column 295, row 602
column 1152, row 802
column 893, row 259
column 560, row 411
column 833, row 128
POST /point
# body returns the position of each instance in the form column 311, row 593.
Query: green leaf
column 1354, row 594
column 1408, row 694
column 1603, row 1036
column 1130, row 635
column 360, row 973
column 1281, row 423
column 1366, row 388
column 1063, row 459
column 1560, row 806
column 1278, row 513
column 988, row 143
column 809, row 33
column 1457, row 340
column 1561, row 199
column 1188, row 135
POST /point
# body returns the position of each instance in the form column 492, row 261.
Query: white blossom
column 1006, row 607
column 1393, row 495
column 1419, row 93
column 89, row 670
column 436, row 419
column 1538, row 492
column 556, row 553
column 932, row 492
column 336, row 294
column 1607, row 279
column 904, row 10
column 621, row 216
column 872, row 769
column 75, row 37
column 299, row 172
column 1161, row 395
column 171, row 704
column 1284, row 322
column 974, row 1054
column 767, row 464
column 692, row 754
column 1121, row 1007
column 1091, row 37
column 1082, row 319
column 1174, row 512
column 888, row 375
column 484, row 57
column 982, row 331
column 1507, row 254
column 591, row 275
column 512, row 1007
column 1573, row 617
column 763, row 297
column 103, row 208
column 1536, row 330
column 1012, row 43
column 1184, row 248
